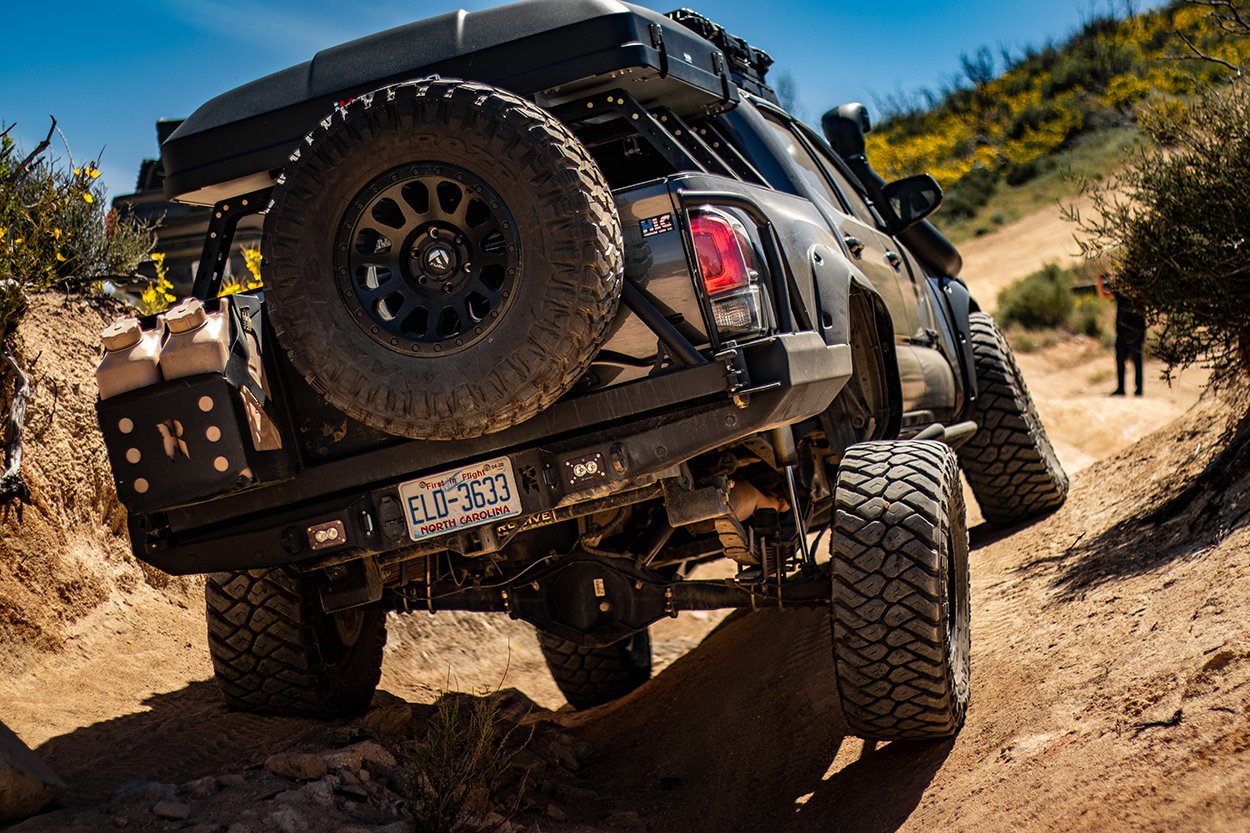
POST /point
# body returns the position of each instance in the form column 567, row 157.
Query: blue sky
column 109, row 70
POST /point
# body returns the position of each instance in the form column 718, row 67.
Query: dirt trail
column 995, row 260
column 1112, row 689
column 1088, row 631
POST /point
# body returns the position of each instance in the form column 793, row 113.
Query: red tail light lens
column 722, row 252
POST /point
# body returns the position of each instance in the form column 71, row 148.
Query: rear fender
column 840, row 288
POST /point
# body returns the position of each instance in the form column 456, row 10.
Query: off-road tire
column 1010, row 464
column 276, row 651
column 565, row 288
column 901, row 618
column 593, row 676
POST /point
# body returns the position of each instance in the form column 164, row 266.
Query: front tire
column 592, row 676
column 276, row 651
column 1010, row 464
column 901, row 613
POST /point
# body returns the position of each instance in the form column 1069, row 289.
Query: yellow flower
column 77, row 171
column 95, row 173
column 3, row 231
column 88, row 198
column 56, row 234
column 60, row 258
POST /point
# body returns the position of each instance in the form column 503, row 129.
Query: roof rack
column 747, row 65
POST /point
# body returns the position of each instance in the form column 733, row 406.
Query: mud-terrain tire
column 592, row 676
column 901, row 617
column 276, row 651
column 1010, row 464
column 442, row 259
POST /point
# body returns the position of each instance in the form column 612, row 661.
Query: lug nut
column 468, row 267
column 447, row 288
column 433, row 232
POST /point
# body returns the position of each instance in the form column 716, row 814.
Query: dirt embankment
column 64, row 553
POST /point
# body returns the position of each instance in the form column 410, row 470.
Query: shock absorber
column 788, row 456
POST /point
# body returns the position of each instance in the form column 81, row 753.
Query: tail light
column 729, row 271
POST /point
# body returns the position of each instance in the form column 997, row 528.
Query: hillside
column 1016, row 132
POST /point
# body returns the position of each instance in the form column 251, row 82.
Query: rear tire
column 275, row 650
column 592, row 676
column 1010, row 464
column 901, row 615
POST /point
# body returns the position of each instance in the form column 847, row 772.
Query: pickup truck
column 558, row 304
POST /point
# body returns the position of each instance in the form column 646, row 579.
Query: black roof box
column 553, row 50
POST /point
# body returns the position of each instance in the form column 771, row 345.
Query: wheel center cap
column 438, row 260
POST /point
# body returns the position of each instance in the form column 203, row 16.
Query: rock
column 353, row 791
column 175, row 810
column 298, row 766
column 286, row 820
column 232, row 779
column 388, row 721
column 555, row 813
column 119, row 821
column 201, row 788
column 528, row 762
column 149, row 790
column 206, row 827
column 376, row 758
column 27, row 785
column 367, row 754
column 320, row 793
column 290, row 797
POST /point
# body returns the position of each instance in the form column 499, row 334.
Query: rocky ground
column 1112, row 673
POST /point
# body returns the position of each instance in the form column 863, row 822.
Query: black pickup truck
column 559, row 303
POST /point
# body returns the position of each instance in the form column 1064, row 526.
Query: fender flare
column 838, row 285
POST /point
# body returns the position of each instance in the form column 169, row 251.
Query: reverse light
column 729, row 272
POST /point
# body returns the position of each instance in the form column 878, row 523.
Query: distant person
column 1130, row 334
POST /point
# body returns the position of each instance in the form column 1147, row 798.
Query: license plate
column 460, row 499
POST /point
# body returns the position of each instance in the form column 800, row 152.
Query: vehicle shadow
column 181, row 735
column 745, row 733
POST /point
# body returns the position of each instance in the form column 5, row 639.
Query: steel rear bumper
column 641, row 431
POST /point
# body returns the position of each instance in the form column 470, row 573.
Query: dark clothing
column 1130, row 337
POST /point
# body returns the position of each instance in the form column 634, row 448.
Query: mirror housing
column 912, row 199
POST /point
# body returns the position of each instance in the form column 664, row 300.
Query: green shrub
column 463, row 752
column 973, row 190
column 1176, row 222
column 1040, row 300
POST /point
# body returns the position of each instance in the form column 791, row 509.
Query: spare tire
column 442, row 259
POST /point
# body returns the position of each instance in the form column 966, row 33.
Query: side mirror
column 912, row 199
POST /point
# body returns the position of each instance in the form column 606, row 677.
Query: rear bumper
column 640, row 431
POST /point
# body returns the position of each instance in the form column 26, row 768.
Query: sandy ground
column 1110, row 662
column 995, row 260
